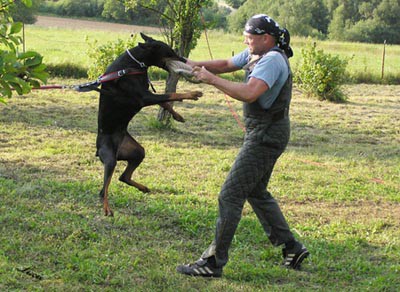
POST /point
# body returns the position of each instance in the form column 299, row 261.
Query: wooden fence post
column 383, row 59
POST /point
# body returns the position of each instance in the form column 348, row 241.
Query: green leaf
column 20, row 86
column 5, row 89
column 16, row 27
column 28, row 3
column 38, row 68
column 26, row 55
column 33, row 61
column 16, row 87
column 42, row 76
column 34, row 83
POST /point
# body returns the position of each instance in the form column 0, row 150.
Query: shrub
column 321, row 75
column 102, row 56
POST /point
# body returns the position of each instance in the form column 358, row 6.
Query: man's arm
column 215, row 66
column 247, row 92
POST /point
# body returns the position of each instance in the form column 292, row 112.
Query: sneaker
column 293, row 260
column 200, row 268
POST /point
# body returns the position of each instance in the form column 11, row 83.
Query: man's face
column 257, row 44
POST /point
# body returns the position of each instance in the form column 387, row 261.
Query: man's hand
column 203, row 75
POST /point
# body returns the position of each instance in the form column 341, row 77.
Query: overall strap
column 280, row 107
column 285, row 95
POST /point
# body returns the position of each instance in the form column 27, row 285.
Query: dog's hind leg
column 109, row 160
column 131, row 151
column 168, row 107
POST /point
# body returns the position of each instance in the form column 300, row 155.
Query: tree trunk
column 163, row 115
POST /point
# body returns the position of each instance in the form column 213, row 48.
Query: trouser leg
column 230, row 202
column 265, row 206
column 271, row 218
column 251, row 169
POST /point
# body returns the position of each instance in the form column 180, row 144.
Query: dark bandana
column 261, row 24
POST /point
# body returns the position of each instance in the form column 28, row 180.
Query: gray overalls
column 267, row 134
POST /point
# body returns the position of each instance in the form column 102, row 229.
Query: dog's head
column 157, row 53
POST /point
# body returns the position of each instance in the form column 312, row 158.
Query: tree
column 365, row 21
column 114, row 10
column 300, row 17
column 18, row 71
column 235, row 3
column 182, row 25
column 23, row 13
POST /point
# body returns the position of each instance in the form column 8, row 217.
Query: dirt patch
column 362, row 211
column 49, row 21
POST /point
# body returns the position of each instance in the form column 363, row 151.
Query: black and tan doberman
column 121, row 99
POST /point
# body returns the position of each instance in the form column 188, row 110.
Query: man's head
column 261, row 24
column 261, row 31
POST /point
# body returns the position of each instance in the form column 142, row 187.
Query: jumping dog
column 121, row 99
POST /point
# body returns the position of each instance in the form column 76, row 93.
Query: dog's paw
column 177, row 117
column 144, row 189
column 196, row 94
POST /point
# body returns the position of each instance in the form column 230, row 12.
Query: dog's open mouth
column 181, row 69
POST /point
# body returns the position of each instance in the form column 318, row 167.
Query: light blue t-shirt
column 271, row 68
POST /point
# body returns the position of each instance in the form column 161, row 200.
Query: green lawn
column 337, row 183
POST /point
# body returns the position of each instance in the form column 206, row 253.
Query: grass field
column 337, row 184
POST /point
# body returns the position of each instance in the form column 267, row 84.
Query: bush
column 321, row 75
column 102, row 56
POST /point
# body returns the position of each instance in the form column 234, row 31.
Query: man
column 266, row 94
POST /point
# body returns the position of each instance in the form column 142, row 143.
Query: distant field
column 65, row 41
column 78, row 24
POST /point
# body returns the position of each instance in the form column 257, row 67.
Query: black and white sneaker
column 293, row 260
column 200, row 268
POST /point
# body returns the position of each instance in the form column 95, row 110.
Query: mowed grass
column 337, row 184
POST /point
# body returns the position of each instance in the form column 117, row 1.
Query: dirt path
column 49, row 21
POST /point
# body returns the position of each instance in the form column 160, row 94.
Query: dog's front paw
column 196, row 94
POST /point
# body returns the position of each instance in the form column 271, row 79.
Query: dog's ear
column 146, row 38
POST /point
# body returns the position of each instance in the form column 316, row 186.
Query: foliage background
column 372, row 21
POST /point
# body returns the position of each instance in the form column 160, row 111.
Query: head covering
column 261, row 24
